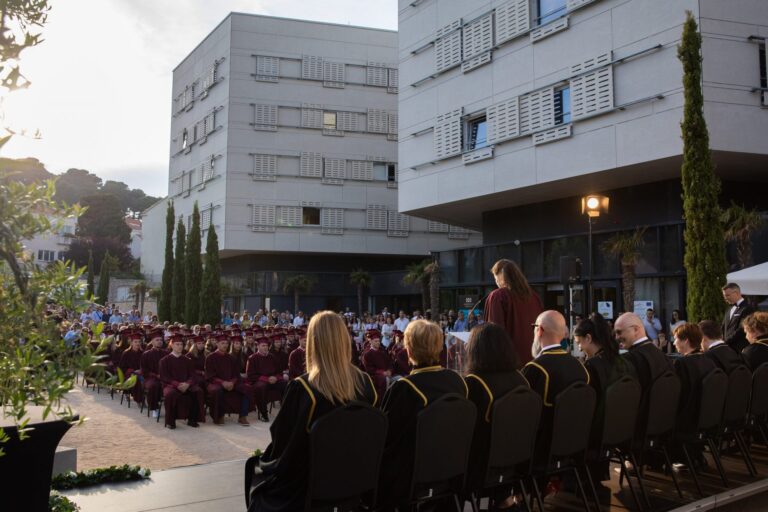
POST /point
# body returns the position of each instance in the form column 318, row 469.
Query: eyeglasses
column 535, row 325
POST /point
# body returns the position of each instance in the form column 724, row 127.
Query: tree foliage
column 194, row 268
column 416, row 274
column 107, row 264
column 75, row 184
column 626, row 247
column 179, row 298
column 90, row 278
column 704, row 260
column 210, row 290
column 740, row 224
column 433, row 271
column 20, row 21
column 101, row 229
column 298, row 285
column 166, row 288
column 361, row 279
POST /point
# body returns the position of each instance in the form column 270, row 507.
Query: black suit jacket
column 724, row 357
column 733, row 333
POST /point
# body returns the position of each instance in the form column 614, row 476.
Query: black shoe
column 171, row 426
column 193, row 423
column 264, row 416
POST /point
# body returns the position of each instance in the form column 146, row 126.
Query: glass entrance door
column 606, row 299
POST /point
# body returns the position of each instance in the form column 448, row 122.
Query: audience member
column 756, row 330
column 716, row 349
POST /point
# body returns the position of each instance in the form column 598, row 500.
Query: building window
column 563, row 105
column 550, row 10
column 477, row 133
column 763, row 74
column 310, row 216
column 391, row 173
column 62, row 255
column 184, row 139
column 329, row 120
column 44, row 255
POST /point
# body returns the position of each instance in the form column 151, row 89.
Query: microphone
column 471, row 311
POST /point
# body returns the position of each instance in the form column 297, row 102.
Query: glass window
column 648, row 263
column 605, row 264
column 379, row 171
column 533, row 266
column 449, row 269
column 563, row 106
column 478, row 133
column 184, row 139
column 763, row 73
column 470, row 265
column 391, row 173
column 550, row 10
column 671, row 251
column 329, row 120
column 555, row 249
column 310, row 216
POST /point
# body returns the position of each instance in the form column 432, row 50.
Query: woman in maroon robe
column 281, row 356
column 377, row 363
column 196, row 354
column 130, row 363
column 514, row 306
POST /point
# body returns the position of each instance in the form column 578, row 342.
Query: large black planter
column 26, row 467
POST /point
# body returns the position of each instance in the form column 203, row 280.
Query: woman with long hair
column 331, row 381
column 514, row 306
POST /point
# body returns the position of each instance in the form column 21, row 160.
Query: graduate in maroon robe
column 237, row 351
column 182, row 396
column 297, row 360
column 514, row 306
column 196, row 354
column 224, row 383
column 150, row 371
column 130, row 363
column 278, row 350
column 265, row 377
column 377, row 363
column 400, row 364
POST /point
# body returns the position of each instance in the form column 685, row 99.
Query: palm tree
column 139, row 291
column 298, row 284
column 739, row 225
column 416, row 275
column 362, row 279
column 626, row 246
column 433, row 271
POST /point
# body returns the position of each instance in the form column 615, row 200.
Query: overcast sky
column 101, row 81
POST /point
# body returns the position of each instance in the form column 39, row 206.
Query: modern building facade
column 285, row 134
column 53, row 245
column 512, row 110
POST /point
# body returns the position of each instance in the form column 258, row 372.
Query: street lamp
column 592, row 205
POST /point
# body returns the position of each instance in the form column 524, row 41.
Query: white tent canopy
column 751, row 280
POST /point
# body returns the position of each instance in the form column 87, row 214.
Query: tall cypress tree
column 103, row 292
column 210, row 293
column 194, row 270
column 90, row 275
column 705, row 262
column 179, row 297
column 166, row 288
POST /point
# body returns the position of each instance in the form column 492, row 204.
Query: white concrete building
column 285, row 134
column 53, row 246
column 511, row 110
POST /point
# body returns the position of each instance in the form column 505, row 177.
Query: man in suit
column 715, row 348
column 733, row 332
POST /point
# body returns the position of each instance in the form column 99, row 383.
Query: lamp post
column 592, row 205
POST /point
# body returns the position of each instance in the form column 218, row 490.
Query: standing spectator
column 675, row 323
column 652, row 325
column 473, row 321
column 386, row 331
column 402, row 321
column 134, row 316
column 299, row 320
column 148, row 317
column 514, row 306
column 733, row 332
column 116, row 317
column 461, row 324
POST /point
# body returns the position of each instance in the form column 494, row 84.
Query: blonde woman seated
column 427, row 382
column 330, row 382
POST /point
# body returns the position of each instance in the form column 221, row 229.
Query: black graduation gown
column 603, row 373
column 756, row 354
column 724, row 357
column 691, row 370
column 285, row 487
column 484, row 389
column 402, row 402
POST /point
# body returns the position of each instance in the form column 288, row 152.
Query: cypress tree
column 179, row 297
column 166, row 288
column 103, row 291
column 704, row 262
column 210, row 293
column 194, row 269
column 90, row 275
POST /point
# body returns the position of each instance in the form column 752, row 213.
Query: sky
column 101, row 80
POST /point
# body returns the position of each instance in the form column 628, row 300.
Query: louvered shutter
column 289, row 216
column 393, row 80
column 376, row 74
column 311, row 67
column 503, row 121
column 361, row 170
column 176, row 186
column 198, row 130
column 267, row 68
column 265, row 117
column 457, row 233
column 477, row 40
column 597, row 61
column 437, row 227
column 263, row 217
column 376, row 217
column 537, row 110
column 332, row 221
column 447, row 134
column 376, row 120
column 392, row 119
column 209, row 123
column 397, row 224
column 448, row 46
column 264, row 166
column 210, row 77
column 333, row 74
column 335, row 171
column 592, row 94
column 513, row 19
column 206, row 169
column 347, row 121
column 206, row 216
column 311, row 116
column 311, row 165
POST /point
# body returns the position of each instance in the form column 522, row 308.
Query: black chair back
column 514, row 425
column 443, row 439
column 758, row 407
column 345, row 450
column 622, row 401
column 737, row 399
column 572, row 420
column 662, row 405
column 714, row 388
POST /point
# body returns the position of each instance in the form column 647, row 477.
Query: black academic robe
column 649, row 363
column 402, row 402
column 724, row 357
column 691, row 370
column 756, row 354
column 284, row 488
column 603, row 373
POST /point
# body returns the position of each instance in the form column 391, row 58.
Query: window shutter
column 311, row 67
column 206, row 217
column 311, row 116
column 332, row 221
column 376, row 74
column 311, row 165
column 392, row 126
column 393, row 80
column 448, row 46
column 397, row 224
column 592, row 94
column 176, row 185
column 376, row 217
column 447, row 134
column 594, row 62
column 267, row 68
column 198, row 130
column 209, row 123
column 537, row 110
column 206, row 169
column 335, row 171
column 346, row 121
column 333, row 74
column 289, row 216
column 265, row 117
column 457, row 233
column 361, row 170
column 477, row 39
column 437, row 227
column 210, row 78
column 376, row 120
column 264, row 167
column 263, row 218
column 503, row 121
column 513, row 18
